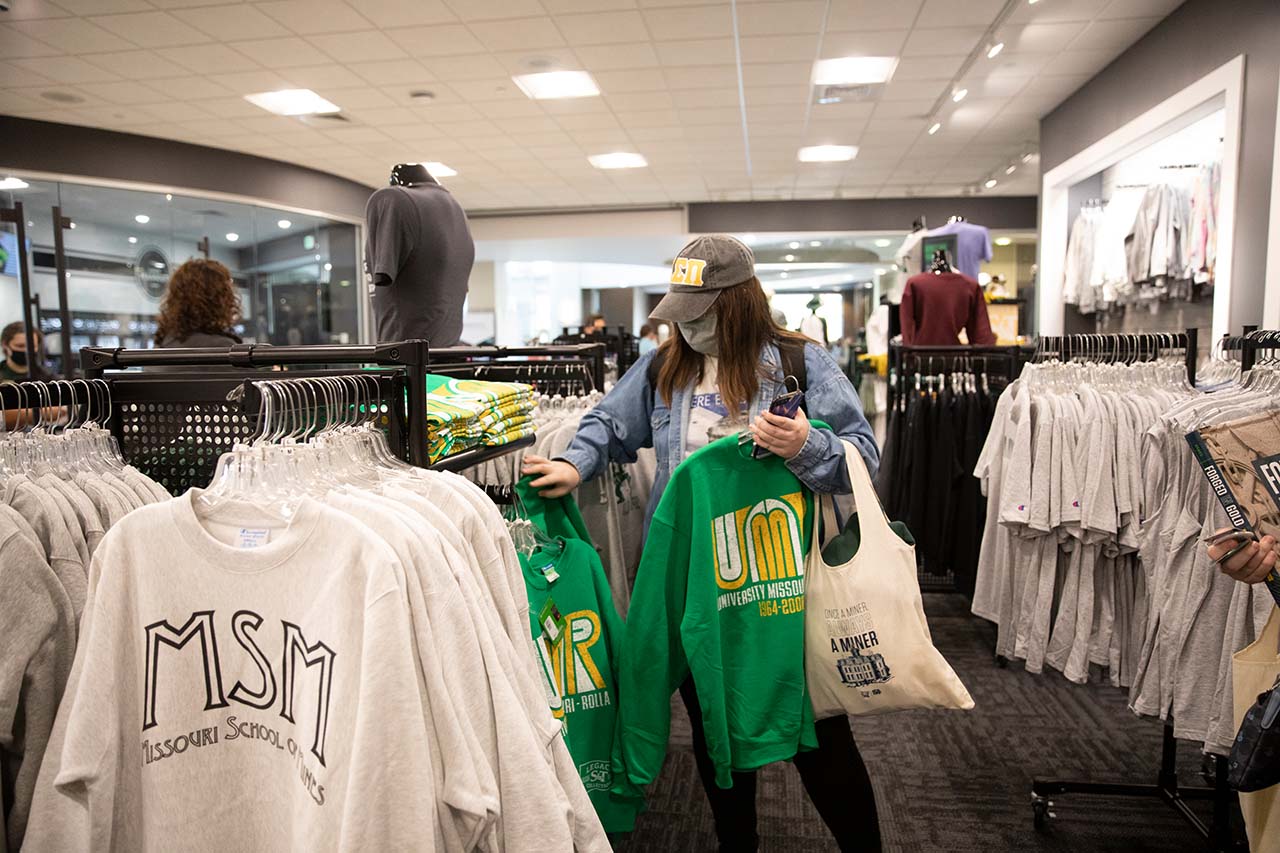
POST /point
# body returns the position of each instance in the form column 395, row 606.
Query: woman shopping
column 716, row 378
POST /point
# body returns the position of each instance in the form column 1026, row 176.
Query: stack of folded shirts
column 465, row 413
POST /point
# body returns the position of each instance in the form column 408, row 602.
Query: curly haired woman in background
column 199, row 308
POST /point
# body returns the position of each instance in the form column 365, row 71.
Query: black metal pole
column 416, row 359
column 64, row 308
column 1192, row 354
column 1247, row 349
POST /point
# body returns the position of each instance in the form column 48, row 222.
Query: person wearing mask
column 710, row 378
column 200, row 307
column 648, row 339
column 20, row 361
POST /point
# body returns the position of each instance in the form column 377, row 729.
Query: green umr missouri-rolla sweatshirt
column 719, row 594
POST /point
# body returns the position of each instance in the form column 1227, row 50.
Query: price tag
column 551, row 621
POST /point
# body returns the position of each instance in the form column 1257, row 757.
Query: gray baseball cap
column 704, row 268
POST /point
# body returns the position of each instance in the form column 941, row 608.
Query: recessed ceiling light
column 317, row 257
column 884, row 243
column 935, row 127
column 788, row 258
column 813, row 244
column 854, row 70
column 826, row 153
column 1026, row 158
column 550, row 85
column 168, row 196
column 994, row 50
column 133, row 239
column 958, row 95
column 13, row 184
column 1032, row 2
column 990, row 183
column 328, row 267
column 293, row 102
column 794, row 244
column 783, row 274
column 71, row 225
column 1010, row 170
column 439, row 170
column 283, row 224
column 232, row 237
column 31, row 224
column 881, row 270
column 1003, row 241
column 142, row 219
column 618, row 160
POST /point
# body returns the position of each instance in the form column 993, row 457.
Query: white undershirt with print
column 708, row 417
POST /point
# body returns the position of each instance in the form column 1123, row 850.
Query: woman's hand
column 556, row 478
column 781, row 436
column 1254, row 562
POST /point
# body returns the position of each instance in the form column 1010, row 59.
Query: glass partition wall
column 298, row 274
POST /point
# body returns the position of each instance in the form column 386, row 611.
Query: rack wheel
column 1040, row 807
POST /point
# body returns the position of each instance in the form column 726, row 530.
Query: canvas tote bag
column 1253, row 670
column 866, row 641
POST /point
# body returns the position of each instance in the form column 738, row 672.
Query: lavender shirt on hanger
column 973, row 245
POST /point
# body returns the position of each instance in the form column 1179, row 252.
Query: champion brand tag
column 549, row 572
column 251, row 537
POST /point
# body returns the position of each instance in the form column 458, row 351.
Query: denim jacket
column 633, row 415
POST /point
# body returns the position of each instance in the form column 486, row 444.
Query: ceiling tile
column 465, row 68
column 14, row 44
column 360, row 97
column 65, row 69
column 859, row 15
column 518, row 34
column 499, row 89
column 124, row 92
column 1043, row 38
column 484, row 10
column 928, row 68
column 30, row 10
column 1139, row 9
column 17, row 75
column 311, row 17
column 639, row 101
column 694, row 98
column 287, row 52
column 1102, row 35
column 191, row 88
column 777, row 74
column 1076, row 10
column 524, row 62
column 208, row 58
column 698, row 78
column 391, row 72
column 331, row 76
column 390, row 14
column 365, row 46
column 445, row 40
column 902, row 109
column 228, row 107
column 232, row 22
column 516, row 112
column 1020, row 64
column 770, row 19
column 135, row 64
column 151, row 29
column 907, row 90
column 1080, row 61
column 952, row 41
column 637, row 80
column 617, row 56
column 1000, row 85
column 690, row 22
column 780, row 48
column 249, row 82
column 865, row 43
column 171, row 111
column 602, row 28
column 70, row 35
column 957, row 13
column 700, row 52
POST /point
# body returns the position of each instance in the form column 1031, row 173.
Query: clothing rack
column 904, row 359
column 592, row 353
column 1252, row 340
column 1166, row 787
column 618, row 342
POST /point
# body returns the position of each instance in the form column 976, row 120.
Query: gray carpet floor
column 960, row 781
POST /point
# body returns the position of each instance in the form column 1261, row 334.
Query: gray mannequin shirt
column 418, row 253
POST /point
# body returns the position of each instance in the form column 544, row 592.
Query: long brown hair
column 744, row 324
column 200, row 299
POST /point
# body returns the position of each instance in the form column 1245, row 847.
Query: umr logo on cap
column 687, row 271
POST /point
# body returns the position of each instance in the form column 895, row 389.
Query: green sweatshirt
column 553, row 516
column 720, row 594
column 583, row 661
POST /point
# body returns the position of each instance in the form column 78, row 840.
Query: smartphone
column 785, row 405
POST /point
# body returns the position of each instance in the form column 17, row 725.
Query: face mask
column 700, row 334
column 18, row 357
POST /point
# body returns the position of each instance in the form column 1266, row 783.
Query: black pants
column 834, row 776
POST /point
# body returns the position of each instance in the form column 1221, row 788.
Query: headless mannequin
column 418, row 255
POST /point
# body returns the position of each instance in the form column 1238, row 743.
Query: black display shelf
column 476, row 455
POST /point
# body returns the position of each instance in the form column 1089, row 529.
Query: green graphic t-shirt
column 720, row 595
column 580, row 652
